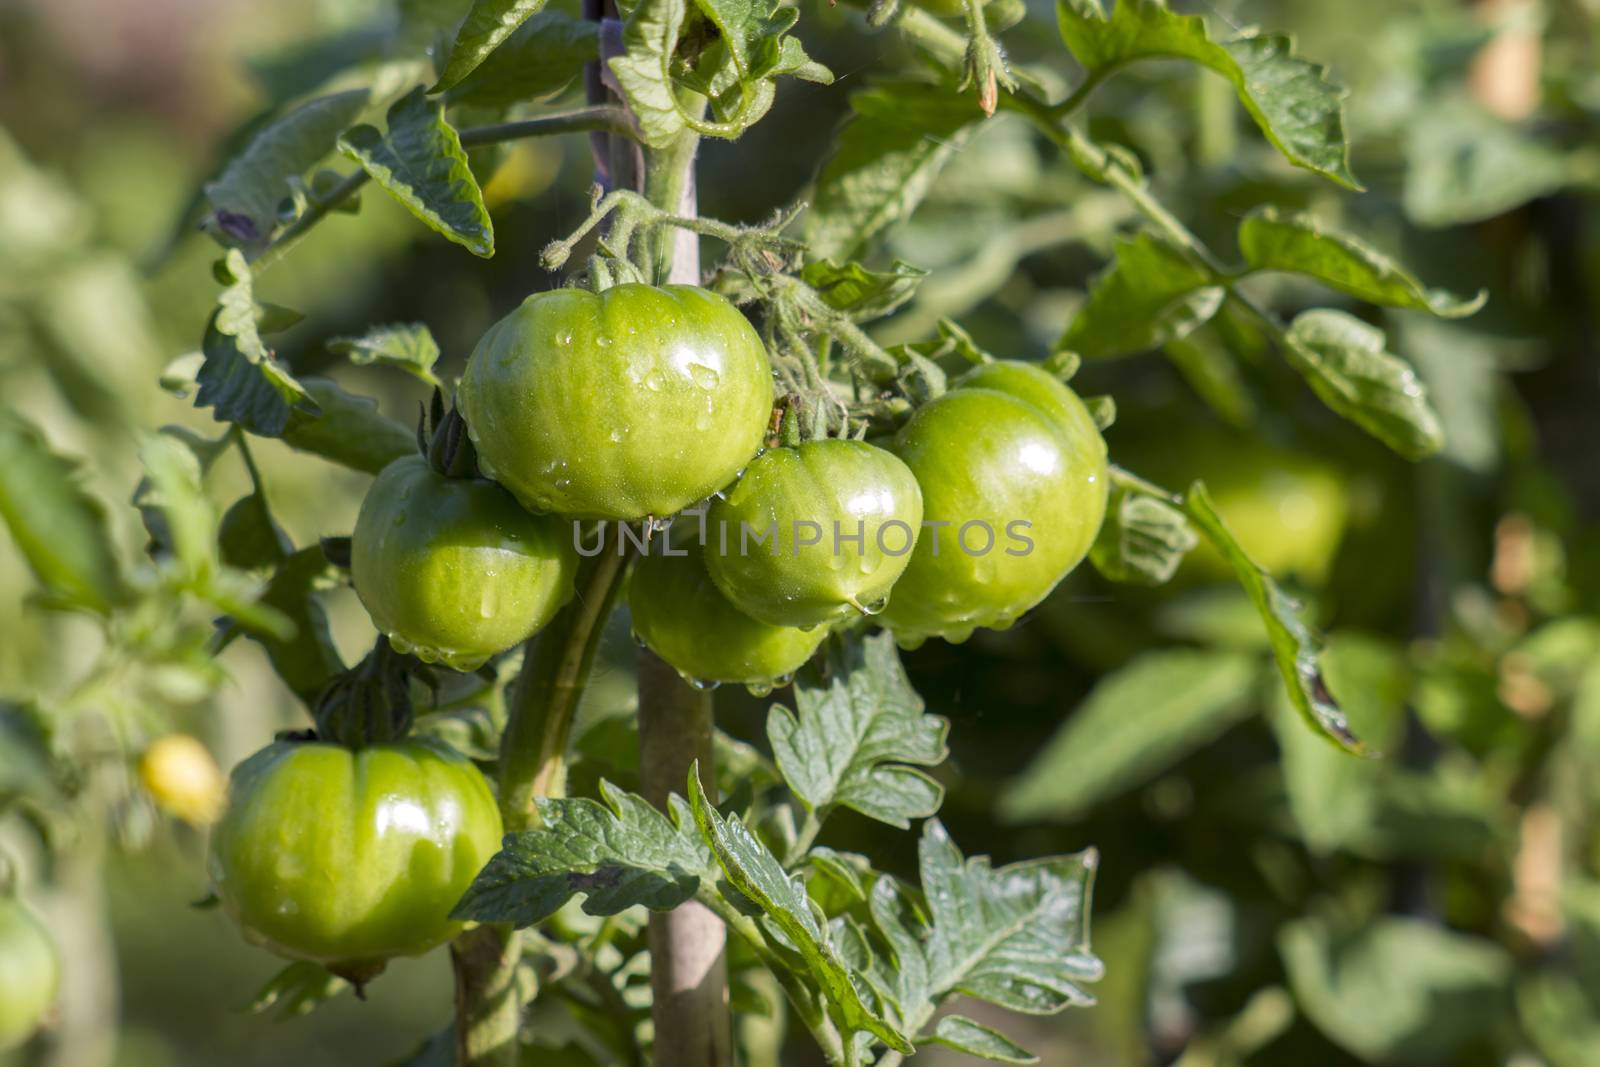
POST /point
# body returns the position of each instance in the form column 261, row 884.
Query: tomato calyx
column 447, row 446
column 370, row 703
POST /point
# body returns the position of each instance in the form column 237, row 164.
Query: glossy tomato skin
column 681, row 616
column 990, row 460
column 848, row 490
column 30, row 973
column 453, row 569
column 631, row 402
column 348, row 857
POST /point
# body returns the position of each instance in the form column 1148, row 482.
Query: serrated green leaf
column 620, row 854
column 240, row 377
column 420, row 162
column 857, row 723
column 244, row 198
column 1142, row 541
column 409, row 346
column 1345, row 362
column 1206, row 363
column 1292, row 100
column 62, row 532
column 487, row 25
column 1136, row 723
column 298, row 989
column 542, row 57
column 975, row 1039
column 349, row 430
column 1398, row 990
column 1150, row 294
column 884, row 160
column 1294, row 646
column 1014, row 936
column 865, row 294
column 1301, row 245
column 758, row 876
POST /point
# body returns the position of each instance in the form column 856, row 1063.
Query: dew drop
column 616, row 436
column 705, row 377
column 761, row 689
column 488, row 604
column 652, row 381
column 704, row 685
column 875, row 607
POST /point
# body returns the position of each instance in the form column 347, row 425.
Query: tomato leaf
column 240, row 377
column 542, row 57
column 1294, row 646
column 975, row 1039
column 306, row 658
column 1206, row 363
column 409, row 346
column 1301, row 245
column 244, row 198
column 1185, row 699
column 620, row 854
column 1464, row 165
column 1150, row 294
column 1015, row 936
column 760, row 879
column 855, row 726
column 62, row 532
column 420, row 162
column 899, row 137
column 1398, row 990
column 488, row 24
column 349, row 430
column 864, row 294
column 1344, row 361
column 1292, row 100
column 1142, row 541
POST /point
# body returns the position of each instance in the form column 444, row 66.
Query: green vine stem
column 533, row 749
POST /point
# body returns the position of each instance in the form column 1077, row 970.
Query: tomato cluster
column 630, row 404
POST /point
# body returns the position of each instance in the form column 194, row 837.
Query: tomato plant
column 896, row 403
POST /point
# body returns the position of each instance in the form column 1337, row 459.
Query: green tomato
column 860, row 503
column 633, row 402
column 452, row 569
column 681, row 616
column 350, row 857
column 1014, row 482
column 1288, row 509
column 30, row 973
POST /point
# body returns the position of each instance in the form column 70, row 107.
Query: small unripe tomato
column 635, row 401
column 182, row 778
column 1014, row 483
column 30, row 973
column 348, row 857
column 843, row 518
column 452, row 569
column 681, row 616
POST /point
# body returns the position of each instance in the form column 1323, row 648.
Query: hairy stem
column 488, row 1010
column 533, row 749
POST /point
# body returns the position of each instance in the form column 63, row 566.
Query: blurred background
column 1262, row 899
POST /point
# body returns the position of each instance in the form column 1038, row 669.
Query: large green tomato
column 681, row 616
column 631, row 402
column 350, row 857
column 844, row 517
column 1014, row 482
column 453, row 569
column 30, row 973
